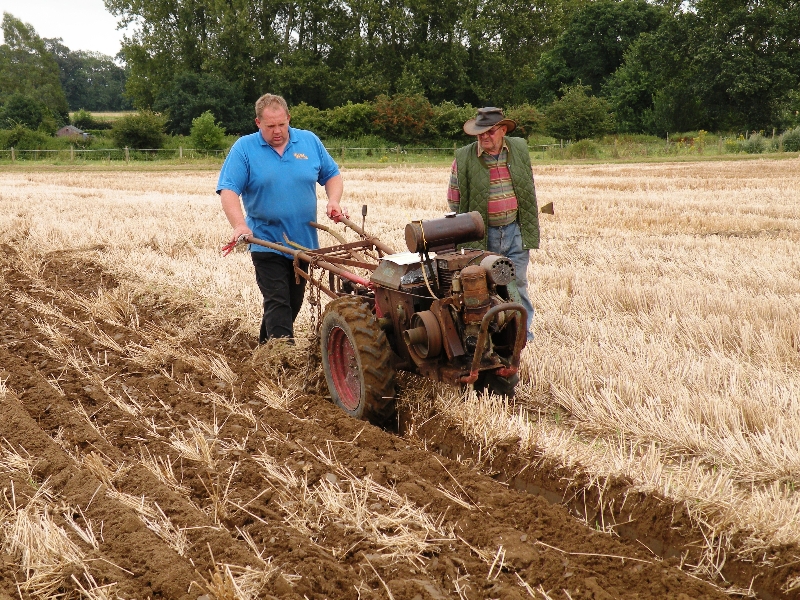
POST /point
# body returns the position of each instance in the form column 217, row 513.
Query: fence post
column 180, row 151
column 13, row 156
column 127, row 154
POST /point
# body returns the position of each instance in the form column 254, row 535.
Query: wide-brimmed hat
column 487, row 118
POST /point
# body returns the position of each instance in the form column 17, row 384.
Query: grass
column 668, row 313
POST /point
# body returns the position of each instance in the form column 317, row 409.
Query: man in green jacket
column 493, row 175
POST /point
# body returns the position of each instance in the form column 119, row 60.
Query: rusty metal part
column 384, row 248
column 475, row 289
column 483, row 340
column 475, row 293
column 314, row 282
column 449, row 263
column 499, row 269
column 341, row 239
column 304, row 256
column 425, row 335
column 337, row 254
column 438, row 234
column 450, row 337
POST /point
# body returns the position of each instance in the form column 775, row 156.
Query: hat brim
column 471, row 129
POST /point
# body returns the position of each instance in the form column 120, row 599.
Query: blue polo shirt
column 279, row 193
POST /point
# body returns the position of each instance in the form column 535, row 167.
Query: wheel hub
column 344, row 368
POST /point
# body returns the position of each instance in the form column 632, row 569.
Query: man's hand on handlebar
column 240, row 234
column 335, row 212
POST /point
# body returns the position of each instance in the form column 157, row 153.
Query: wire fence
column 155, row 154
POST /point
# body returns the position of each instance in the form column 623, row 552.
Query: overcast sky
column 82, row 24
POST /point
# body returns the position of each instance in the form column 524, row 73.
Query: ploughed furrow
column 173, row 459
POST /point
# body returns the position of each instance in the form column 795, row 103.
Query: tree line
column 586, row 67
column 665, row 65
column 41, row 79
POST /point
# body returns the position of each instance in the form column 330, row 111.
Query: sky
column 82, row 24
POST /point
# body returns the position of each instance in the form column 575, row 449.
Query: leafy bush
column 449, row 118
column 528, row 118
column 576, row 115
column 791, row 140
column 403, row 118
column 142, row 130
column 539, row 139
column 308, row 117
column 83, row 119
column 631, row 138
column 735, row 146
column 206, row 134
column 350, row 120
column 755, row 144
column 583, row 149
column 23, row 138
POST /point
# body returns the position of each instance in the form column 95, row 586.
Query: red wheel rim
column 344, row 368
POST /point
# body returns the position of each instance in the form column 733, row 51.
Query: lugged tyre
column 356, row 359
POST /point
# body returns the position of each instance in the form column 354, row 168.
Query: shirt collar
column 481, row 151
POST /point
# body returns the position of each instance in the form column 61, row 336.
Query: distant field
column 109, row 116
column 666, row 363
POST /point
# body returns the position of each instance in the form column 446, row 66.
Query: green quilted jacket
column 473, row 184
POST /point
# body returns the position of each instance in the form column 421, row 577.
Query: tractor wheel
column 499, row 386
column 356, row 359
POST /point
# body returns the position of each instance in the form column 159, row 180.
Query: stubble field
column 148, row 449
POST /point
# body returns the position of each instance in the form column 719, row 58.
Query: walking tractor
column 442, row 310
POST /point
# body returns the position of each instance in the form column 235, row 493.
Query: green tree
column 142, row 130
column 577, row 115
column 720, row 65
column 593, row 45
column 747, row 59
column 652, row 92
column 90, row 80
column 206, row 133
column 192, row 94
column 27, row 68
column 23, row 110
column 327, row 53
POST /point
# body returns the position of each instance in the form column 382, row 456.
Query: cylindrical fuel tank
column 422, row 236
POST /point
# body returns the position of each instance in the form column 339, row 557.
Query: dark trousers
column 283, row 296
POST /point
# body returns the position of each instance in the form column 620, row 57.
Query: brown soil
column 505, row 542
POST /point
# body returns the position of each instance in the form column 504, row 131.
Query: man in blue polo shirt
column 275, row 171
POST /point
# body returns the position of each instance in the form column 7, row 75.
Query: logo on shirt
column 300, row 156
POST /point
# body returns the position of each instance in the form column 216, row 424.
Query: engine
column 455, row 309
